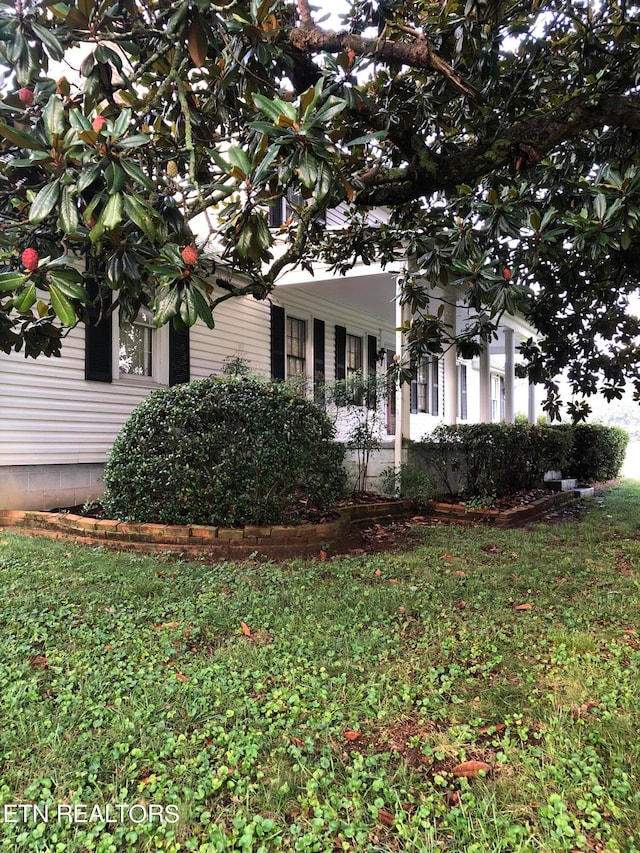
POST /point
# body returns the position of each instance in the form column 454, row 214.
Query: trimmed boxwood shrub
column 492, row 460
column 597, row 452
column 223, row 451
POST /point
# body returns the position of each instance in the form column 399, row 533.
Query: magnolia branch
column 520, row 146
column 309, row 39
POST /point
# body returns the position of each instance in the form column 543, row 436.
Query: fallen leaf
column 323, row 555
column 108, row 647
column 523, row 607
column 447, row 557
column 471, row 769
column 350, row 735
column 181, row 677
column 166, row 625
column 246, row 630
column 453, row 798
column 377, row 573
column 497, row 728
column 630, row 631
column 38, row 660
column 393, row 580
column 401, row 609
column 491, row 549
column 459, row 573
column 460, row 605
column 385, row 817
column 296, row 741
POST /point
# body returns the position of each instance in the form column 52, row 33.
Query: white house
column 60, row 416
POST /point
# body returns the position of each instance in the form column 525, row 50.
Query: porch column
column 509, row 376
column 532, row 403
column 403, row 390
column 485, row 384
column 450, row 370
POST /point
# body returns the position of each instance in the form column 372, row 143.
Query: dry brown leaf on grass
column 246, row 630
column 385, row 817
column 471, row 769
column 166, row 625
column 350, row 735
column 38, row 661
column 523, row 606
column 182, row 677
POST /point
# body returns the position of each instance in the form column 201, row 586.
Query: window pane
column 354, row 354
column 136, row 345
column 296, row 346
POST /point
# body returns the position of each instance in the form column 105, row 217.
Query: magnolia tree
column 502, row 137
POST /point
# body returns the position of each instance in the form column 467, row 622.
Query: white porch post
column 509, row 376
column 450, row 370
column 531, row 414
column 485, row 384
column 403, row 391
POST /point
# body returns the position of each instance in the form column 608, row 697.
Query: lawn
column 153, row 704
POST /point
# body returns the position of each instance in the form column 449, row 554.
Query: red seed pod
column 189, row 255
column 26, row 96
column 30, row 259
column 506, row 273
column 98, row 123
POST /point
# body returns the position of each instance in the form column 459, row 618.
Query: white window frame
column 159, row 356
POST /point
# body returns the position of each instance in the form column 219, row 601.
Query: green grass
column 129, row 680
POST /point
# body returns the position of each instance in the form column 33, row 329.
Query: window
column 497, row 399
column 462, row 392
column 428, row 386
column 282, row 210
column 135, row 356
column 296, row 346
column 353, row 355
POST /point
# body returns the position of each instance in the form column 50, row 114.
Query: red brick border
column 514, row 517
column 278, row 541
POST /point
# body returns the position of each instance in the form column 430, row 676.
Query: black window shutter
column 318, row 359
column 435, row 387
column 98, row 346
column 372, row 359
column 341, row 352
column 275, row 213
column 413, row 404
column 277, row 343
column 179, row 356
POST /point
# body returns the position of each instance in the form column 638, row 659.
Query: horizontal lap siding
column 50, row 415
column 241, row 331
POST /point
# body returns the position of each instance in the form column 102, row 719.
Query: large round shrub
column 223, row 451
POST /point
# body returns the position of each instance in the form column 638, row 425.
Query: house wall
column 56, row 428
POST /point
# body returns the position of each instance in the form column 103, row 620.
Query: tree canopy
column 503, row 138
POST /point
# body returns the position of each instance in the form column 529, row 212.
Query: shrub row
column 223, row 451
column 491, row 460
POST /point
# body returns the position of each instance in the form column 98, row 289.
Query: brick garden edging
column 278, row 541
column 513, row 517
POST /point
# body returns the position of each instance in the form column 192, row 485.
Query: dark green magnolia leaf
column 166, row 306
column 140, row 215
column 188, row 308
column 19, row 138
column 137, row 174
column 53, row 117
column 44, row 202
column 49, row 40
column 62, row 307
column 203, row 308
column 68, row 283
column 112, row 213
column 115, row 177
column 11, row 281
column 134, row 141
column 24, row 301
column 69, row 219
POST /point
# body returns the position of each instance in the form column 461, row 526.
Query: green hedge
column 223, row 451
column 597, row 452
column 491, row 460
